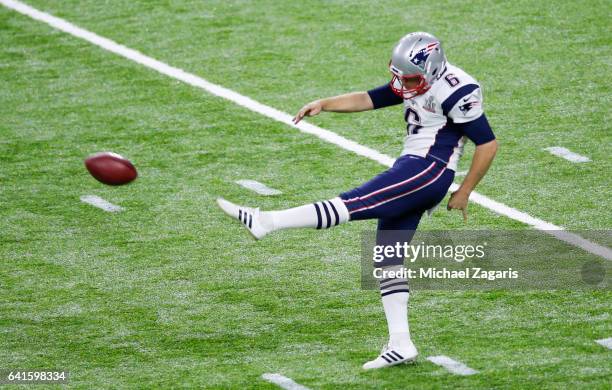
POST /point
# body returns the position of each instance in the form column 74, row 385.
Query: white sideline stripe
column 452, row 365
column 100, row 203
column 283, row 382
column 258, row 187
column 285, row 118
column 605, row 342
column 567, row 154
column 460, row 173
column 549, row 228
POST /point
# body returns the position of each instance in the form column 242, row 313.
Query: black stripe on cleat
column 397, row 354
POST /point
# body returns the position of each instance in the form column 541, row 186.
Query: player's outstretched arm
column 350, row 102
column 483, row 157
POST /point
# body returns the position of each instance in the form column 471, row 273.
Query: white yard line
column 285, row 118
column 258, row 187
column 452, row 365
column 283, row 382
column 605, row 342
column 567, row 154
column 100, row 203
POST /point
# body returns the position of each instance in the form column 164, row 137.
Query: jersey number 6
column 451, row 80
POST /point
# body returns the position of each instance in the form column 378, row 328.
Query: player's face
column 410, row 82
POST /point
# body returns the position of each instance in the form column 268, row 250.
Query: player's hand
column 311, row 109
column 459, row 201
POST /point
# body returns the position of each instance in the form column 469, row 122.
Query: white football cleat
column 390, row 356
column 250, row 217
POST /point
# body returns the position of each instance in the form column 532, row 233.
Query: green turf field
column 171, row 293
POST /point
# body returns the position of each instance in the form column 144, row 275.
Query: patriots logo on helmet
column 422, row 55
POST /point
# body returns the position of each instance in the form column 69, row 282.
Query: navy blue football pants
column 398, row 198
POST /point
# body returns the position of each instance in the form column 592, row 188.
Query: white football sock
column 396, row 312
column 320, row 215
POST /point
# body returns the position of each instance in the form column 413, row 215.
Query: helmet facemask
column 397, row 84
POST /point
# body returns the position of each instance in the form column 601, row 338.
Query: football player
column 442, row 107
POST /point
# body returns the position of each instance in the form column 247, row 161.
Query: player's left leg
column 394, row 291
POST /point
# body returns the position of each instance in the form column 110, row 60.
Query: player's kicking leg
column 320, row 215
column 388, row 195
column 397, row 198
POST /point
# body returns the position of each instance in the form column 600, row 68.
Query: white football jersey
column 455, row 97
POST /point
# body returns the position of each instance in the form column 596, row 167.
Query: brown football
column 111, row 168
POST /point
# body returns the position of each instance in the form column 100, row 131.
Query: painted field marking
column 567, row 154
column 452, row 365
column 258, row 187
column 285, row 118
column 283, row 382
column 460, row 173
column 605, row 342
column 100, row 203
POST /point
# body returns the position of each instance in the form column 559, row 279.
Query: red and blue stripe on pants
column 411, row 185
